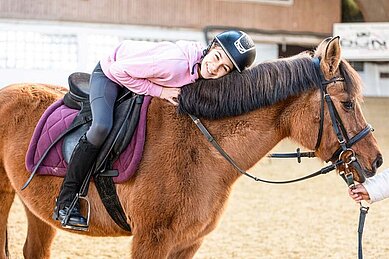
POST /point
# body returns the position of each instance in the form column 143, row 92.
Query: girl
column 149, row 68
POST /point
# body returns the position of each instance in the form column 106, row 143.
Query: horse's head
column 310, row 93
column 343, row 133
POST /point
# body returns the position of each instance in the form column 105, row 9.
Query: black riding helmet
column 239, row 46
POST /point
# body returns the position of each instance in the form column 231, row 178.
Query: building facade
column 45, row 40
column 287, row 15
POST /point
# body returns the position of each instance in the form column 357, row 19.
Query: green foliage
column 351, row 11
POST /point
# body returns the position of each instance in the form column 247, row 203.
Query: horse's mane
column 262, row 85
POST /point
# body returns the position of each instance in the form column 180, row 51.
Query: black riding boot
column 80, row 163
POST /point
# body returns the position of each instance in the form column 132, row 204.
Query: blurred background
column 46, row 40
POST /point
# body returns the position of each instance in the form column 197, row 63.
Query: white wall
column 266, row 52
column 373, row 84
column 47, row 52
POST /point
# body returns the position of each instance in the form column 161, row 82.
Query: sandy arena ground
column 310, row 219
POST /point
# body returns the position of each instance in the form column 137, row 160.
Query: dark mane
column 261, row 86
column 238, row 93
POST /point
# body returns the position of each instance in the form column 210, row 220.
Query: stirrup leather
column 65, row 221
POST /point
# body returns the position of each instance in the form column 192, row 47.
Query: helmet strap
column 194, row 66
column 206, row 50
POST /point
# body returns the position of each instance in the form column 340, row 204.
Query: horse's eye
column 348, row 105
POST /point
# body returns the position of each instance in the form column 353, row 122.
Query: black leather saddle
column 78, row 90
column 126, row 117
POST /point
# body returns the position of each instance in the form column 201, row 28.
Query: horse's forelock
column 352, row 80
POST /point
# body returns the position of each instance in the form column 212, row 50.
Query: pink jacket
column 145, row 67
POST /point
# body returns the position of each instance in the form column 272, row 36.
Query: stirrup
column 65, row 221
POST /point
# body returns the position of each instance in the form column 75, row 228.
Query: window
column 36, row 50
column 357, row 65
column 384, row 74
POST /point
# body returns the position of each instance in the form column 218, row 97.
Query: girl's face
column 215, row 64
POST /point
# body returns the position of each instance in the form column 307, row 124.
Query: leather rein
column 344, row 156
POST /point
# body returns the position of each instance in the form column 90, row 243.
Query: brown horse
column 182, row 185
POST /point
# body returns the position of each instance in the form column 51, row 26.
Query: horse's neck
column 246, row 138
column 249, row 137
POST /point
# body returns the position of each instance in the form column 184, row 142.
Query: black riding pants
column 103, row 93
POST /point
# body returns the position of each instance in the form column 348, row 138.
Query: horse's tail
column 8, row 196
column 5, row 186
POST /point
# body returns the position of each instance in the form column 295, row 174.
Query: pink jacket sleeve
column 140, row 85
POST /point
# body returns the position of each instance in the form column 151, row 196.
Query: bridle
column 344, row 152
column 344, row 156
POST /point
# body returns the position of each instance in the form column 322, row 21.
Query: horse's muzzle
column 374, row 166
column 366, row 173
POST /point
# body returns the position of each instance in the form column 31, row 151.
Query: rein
column 344, row 155
column 214, row 143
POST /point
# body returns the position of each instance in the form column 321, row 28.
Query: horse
column 182, row 185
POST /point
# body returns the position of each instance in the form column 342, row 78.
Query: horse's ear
column 332, row 54
column 321, row 47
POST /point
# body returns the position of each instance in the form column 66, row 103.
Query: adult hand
column 359, row 193
column 170, row 94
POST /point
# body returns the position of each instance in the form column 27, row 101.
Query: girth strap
column 107, row 191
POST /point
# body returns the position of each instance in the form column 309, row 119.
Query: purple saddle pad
column 56, row 119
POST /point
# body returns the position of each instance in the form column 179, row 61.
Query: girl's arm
column 121, row 72
column 170, row 94
column 373, row 189
column 378, row 186
column 359, row 193
column 124, row 71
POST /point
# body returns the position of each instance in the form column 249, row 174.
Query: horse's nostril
column 378, row 161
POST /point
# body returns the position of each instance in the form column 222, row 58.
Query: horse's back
column 21, row 106
column 30, row 92
column 26, row 99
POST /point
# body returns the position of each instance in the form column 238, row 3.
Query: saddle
column 126, row 117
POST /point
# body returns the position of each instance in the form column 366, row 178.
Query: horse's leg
column 39, row 237
column 7, row 195
column 187, row 252
column 153, row 244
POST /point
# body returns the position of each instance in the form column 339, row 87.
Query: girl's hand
column 170, row 94
column 359, row 193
